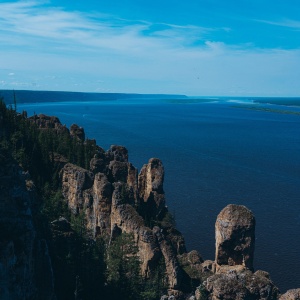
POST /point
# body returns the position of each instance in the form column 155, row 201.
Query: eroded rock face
column 125, row 217
column 235, row 236
column 173, row 270
column 108, row 201
column 98, row 203
column 291, row 295
column 75, row 181
column 109, row 197
column 150, row 186
column 237, row 282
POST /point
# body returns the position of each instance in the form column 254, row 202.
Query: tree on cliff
column 123, row 268
column 78, row 261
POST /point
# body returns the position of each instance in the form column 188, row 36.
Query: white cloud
column 30, row 20
column 40, row 42
column 293, row 24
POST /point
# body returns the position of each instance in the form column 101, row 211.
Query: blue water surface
column 214, row 154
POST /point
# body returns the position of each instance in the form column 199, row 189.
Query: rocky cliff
column 114, row 198
column 111, row 198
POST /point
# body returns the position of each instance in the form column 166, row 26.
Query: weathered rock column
column 150, row 186
column 235, row 236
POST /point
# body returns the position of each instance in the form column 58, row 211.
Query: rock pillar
column 235, row 236
column 150, row 186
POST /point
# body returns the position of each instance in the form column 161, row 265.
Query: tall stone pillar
column 235, row 236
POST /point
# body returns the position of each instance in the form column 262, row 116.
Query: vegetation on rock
column 84, row 267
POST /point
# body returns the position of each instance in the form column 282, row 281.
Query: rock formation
column 237, row 282
column 235, row 236
column 46, row 122
column 77, row 132
column 173, row 270
column 291, row 295
column 113, row 198
column 126, row 218
column 234, row 277
column 150, row 185
column 110, row 196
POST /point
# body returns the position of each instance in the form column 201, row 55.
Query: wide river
column 214, row 153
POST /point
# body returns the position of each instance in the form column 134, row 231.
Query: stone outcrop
column 195, row 267
column 150, row 186
column 237, row 282
column 77, row 132
column 98, row 164
column 99, row 205
column 291, row 295
column 173, row 270
column 75, row 181
column 110, row 195
column 125, row 217
column 235, row 236
column 46, row 122
column 117, row 153
column 233, row 276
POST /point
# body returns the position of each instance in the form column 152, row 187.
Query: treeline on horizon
column 84, row 268
column 28, row 96
column 287, row 101
column 34, row 96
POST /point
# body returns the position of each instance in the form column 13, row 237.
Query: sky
column 191, row 47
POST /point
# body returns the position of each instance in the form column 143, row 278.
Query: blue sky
column 192, row 47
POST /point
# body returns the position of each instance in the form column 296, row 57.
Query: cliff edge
column 99, row 226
